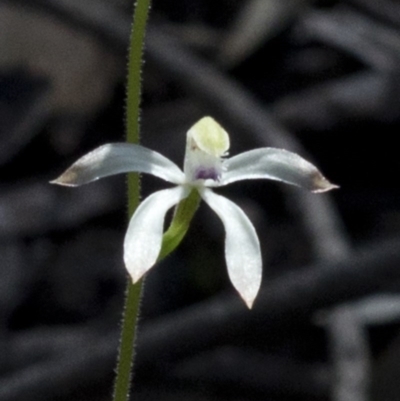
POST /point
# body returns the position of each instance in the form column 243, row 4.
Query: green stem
column 128, row 335
column 135, row 61
column 133, row 292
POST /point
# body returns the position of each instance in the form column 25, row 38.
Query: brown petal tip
column 67, row 179
column 321, row 184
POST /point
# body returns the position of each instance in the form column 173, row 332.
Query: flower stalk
column 126, row 351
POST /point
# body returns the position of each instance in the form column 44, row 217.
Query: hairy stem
column 133, row 291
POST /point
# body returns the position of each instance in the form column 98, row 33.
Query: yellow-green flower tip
column 210, row 137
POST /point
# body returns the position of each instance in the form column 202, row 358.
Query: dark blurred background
column 320, row 78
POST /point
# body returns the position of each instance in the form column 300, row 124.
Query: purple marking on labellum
column 206, row 173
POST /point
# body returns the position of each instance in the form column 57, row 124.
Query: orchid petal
column 115, row 158
column 275, row 164
column 242, row 247
column 143, row 238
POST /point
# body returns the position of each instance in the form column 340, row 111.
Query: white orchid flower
column 205, row 166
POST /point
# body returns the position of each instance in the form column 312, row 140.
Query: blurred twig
column 257, row 21
column 350, row 353
column 366, row 95
column 376, row 45
column 387, row 10
column 347, row 326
